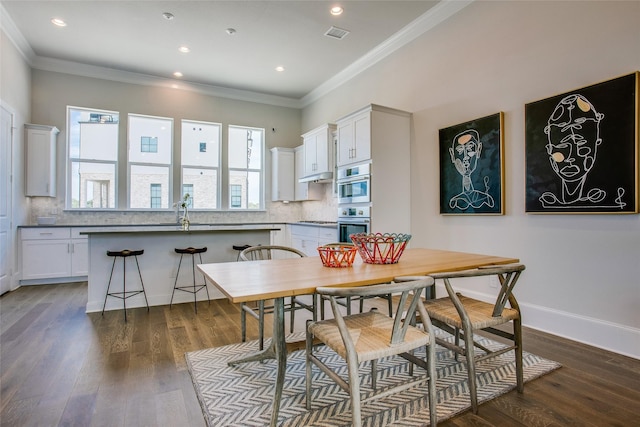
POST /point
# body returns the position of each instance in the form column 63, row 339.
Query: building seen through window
column 93, row 158
column 96, row 178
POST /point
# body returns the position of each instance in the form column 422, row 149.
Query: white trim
column 430, row 19
column 621, row 339
column 427, row 21
column 13, row 33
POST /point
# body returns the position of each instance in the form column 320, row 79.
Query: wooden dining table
column 280, row 278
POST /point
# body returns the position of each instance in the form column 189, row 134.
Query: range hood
column 322, row 177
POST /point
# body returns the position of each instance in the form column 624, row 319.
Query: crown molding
column 430, row 19
column 85, row 70
column 425, row 22
column 13, row 33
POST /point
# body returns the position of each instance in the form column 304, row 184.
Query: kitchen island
column 159, row 263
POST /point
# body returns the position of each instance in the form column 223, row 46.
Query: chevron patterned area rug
column 241, row 395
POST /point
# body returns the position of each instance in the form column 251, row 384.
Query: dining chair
column 371, row 336
column 267, row 252
column 463, row 316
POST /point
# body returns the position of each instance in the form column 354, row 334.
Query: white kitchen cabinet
column 308, row 237
column 354, row 138
column 40, row 160
column 382, row 136
column 304, row 190
column 282, row 174
column 318, row 150
column 49, row 254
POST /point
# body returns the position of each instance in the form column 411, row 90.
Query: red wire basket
column 379, row 248
column 337, row 255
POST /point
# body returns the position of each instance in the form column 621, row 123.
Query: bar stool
column 240, row 248
column 124, row 294
column 192, row 288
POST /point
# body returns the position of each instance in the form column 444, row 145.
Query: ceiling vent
column 336, row 33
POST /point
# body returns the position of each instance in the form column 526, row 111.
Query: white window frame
column 260, row 171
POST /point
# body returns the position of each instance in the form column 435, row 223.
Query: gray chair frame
column 266, row 252
column 474, row 315
column 408, row 303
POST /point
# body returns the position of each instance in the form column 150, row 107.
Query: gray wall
column 583, row 271
column 53, row 92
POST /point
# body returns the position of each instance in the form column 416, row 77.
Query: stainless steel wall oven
column 352, row 220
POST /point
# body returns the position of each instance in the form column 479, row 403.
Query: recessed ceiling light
column 280, row 68
column 59, row 22
column 184, row 49
column 336, row 10
column 231, row 31
column 177, row 74
column 168, row 16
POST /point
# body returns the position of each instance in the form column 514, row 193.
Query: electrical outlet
column 494, row 282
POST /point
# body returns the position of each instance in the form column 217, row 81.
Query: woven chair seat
column 371, row 335
column 479, row 312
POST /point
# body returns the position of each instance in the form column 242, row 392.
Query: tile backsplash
column 321, row 210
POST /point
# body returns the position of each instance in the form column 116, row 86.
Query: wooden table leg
column 276, row 350
column 281, row 356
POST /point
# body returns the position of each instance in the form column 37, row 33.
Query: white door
column 6, row 236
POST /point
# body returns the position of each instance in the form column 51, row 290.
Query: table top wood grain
column 257, row 280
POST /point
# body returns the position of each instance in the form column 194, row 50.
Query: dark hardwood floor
column 63, row 367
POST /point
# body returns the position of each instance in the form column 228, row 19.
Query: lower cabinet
column 49, row 254
column 307, row 238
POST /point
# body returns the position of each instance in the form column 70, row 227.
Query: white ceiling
column 134, row 37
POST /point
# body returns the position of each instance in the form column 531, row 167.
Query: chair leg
column 193, row 275
column 293, row 313
column 390, row 305
column 517, row 332
column 374, row 374
column 471, row 369
column 108, row 286
column 124, row 287
column 175, row 283
column 433, row 401
column 142, row 283
column 308, row 348
column 204, row 282
column 261, row 323
column 354, row 390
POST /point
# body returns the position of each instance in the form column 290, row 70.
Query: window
column 236, row 196
column 246, row 167
column 151, row 167
column 156, row 196
column 148, row 144
column 92, row 145
column 188, row 189
column 200, row 152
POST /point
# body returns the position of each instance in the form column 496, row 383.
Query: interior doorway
column 6, row 197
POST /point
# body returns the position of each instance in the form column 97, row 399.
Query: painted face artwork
column 573, row 136
column 465, row 151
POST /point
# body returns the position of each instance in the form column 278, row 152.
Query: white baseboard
column 598, row 333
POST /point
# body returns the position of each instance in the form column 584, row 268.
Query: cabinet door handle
column 46, row 234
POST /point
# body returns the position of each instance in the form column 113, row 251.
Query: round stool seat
column 190, row 250
column 240, row 247
column 125, row 253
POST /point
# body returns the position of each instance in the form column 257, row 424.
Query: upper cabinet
column 40, row 160
column 318, row 153
column 305, row 190
column 287, row 167
column 282, row 174
column 354, row 138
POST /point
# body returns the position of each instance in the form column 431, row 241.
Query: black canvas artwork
column 471, row 167
column 582, row 150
